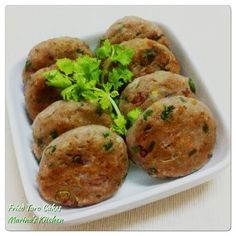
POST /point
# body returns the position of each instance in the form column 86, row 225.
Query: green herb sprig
column 87, row 78
column 133, row 115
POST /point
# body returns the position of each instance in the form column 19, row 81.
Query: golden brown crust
column 62, row 116
column 131, row 27
column 151, row 56
column 79, row 168
column 173, row 137
column 38, row 95
column 45, row 53
column 144, row 91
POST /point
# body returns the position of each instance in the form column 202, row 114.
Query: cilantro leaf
column 115, row 52
column 119, row 76
column 125, row 74
column 103, row 98
column 192, row 85
column 105, row 50
column 89, row 95
column 79, row 78
column 147, row 113
column 133, row 115
column 83, row 79
column 166, row 113
column 122, row 55
column 70, row 93
column 65, row 65
column 119, row 125
column 105, row 102
column 114, row 94
column 114, row 79
column 55, row 78
column 88, row 67
column 107, row 87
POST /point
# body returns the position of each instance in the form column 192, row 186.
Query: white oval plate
column 138, row 188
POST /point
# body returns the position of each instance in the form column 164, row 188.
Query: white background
column 205, row 34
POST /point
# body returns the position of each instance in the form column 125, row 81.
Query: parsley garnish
column 54, row 134
column 147, row 113
column 165, row 115
column 40, row 142
column 192, row 85
column 106, row 134
column 209, row 155
column 27, row 64
column 119, row 55
column 51, row 149
column 152, row 171
column 76, row 159
column 150, row 54
column 86, row 78
column 107, row 146
column 182, row 99
column 133, row 115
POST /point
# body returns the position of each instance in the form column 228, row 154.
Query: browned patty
column 145, row 90
column 131, row 27
column 62, row 116
column 174, row 137
column 45, row 53
column 151, row 56
column 38, row 95
column 83, row 166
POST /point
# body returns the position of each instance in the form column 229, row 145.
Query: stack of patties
column 82, row 161
column 176, row 133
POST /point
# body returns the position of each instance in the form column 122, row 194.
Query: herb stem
column 117, row 110
column 114, row 105
column 107, row 64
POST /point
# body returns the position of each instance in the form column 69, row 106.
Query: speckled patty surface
column 62, row 116
column 45, row 53
column 83, row 166
column 151, row 56
column 145, row 90
column 173, row 137
column 38, row 95
column 131, row 27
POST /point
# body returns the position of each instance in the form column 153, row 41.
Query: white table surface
column 205, row 35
